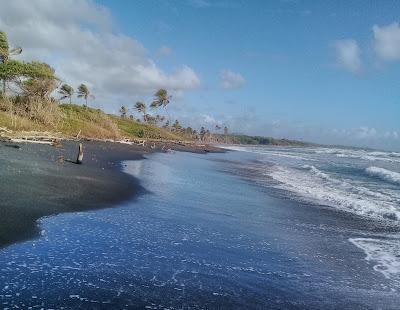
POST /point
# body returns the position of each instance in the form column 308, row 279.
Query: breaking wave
column 384, row 174
column 311, row 184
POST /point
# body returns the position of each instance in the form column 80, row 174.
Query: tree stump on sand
column 80, row 154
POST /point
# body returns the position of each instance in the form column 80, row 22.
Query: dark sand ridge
column 34, row 182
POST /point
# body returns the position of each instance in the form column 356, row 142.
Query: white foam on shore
column 346, row 193
column 384, row 174
column 313, row 185
column 384, row 252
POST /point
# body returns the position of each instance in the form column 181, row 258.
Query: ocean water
column 257, row 228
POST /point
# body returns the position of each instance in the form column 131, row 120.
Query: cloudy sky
column 322, row 71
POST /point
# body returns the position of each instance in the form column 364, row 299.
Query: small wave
column 384, row 174
column 317, row 172
column 269, row 151
column 360, row 154
column 385, row 252
column 323, row 188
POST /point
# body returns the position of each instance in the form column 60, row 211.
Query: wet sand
column 41, row 180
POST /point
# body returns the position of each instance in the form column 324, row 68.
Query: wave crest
column 331, row 190
column 384, row 174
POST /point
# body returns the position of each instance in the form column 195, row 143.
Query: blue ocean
column 253, row 228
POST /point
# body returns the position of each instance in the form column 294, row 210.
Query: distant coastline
column 260, row 140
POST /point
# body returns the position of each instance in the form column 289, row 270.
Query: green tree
column 202, row 133
column 189, row 131
column 123, row 111
column 32, row 78
column 38, row 87
column 177, row 126
column 141, row 108
column 166, row 125
column 5, row 53
column 159, row 118
column 161, row 99
column 84, row 92
column 151, row 119
column 66, row 91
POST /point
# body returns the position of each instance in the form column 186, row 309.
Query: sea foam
column 384, row 252
column 384, row 174
column 311, row 184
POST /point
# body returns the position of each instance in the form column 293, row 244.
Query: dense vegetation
column 257, row 140
column 28, row 102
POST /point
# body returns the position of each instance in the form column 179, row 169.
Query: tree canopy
column 66, row 91
column 84, row 92
column 161, row 98
column 17, row 69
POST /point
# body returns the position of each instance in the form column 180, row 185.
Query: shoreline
column 42, row 180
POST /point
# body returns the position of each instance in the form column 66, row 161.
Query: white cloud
column 200, row 3
column 208, row 119
column 231, row 80
column 204, row 4
column 77, row 39
column 164, row 51
column 348, row 55
column 364, row 133
column 387, row 41
column 391, row 135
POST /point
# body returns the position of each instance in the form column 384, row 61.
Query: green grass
column 131, row 128
column 90, row 123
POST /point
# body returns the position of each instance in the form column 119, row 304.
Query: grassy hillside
column 91, row 123
column 69, row 120
column 257, row 140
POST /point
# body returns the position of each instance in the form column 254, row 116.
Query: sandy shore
column 40, row 180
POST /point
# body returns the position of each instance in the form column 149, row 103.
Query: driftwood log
column 80, row 154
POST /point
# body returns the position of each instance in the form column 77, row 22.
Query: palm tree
column 159, row 118
column 6, row 52
column 123, row 111
column 202, row 133
column 66, row 91
column 161, row 99
column 225, row 130
column 84, row 92
column 141, row 108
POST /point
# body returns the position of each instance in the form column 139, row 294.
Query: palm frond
column 15, row 51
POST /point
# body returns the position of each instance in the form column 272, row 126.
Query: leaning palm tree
column 141, row 108
column 161, row 98
column 66, row 91
column 6, row 52
column 84, row 92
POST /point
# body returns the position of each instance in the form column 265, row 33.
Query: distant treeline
column 258, row 140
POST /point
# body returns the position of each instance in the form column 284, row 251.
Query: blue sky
column 323, row 71
column 285, row 52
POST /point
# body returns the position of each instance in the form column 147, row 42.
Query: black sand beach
column 41, row 180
